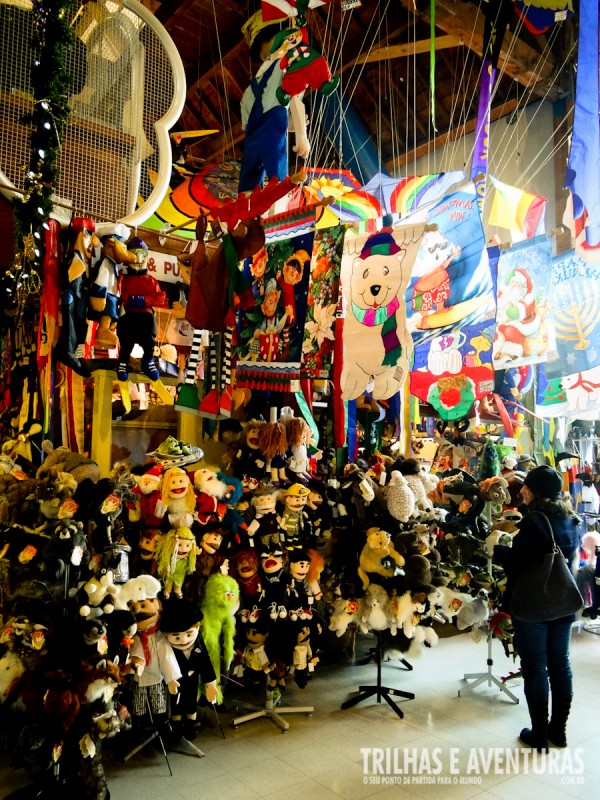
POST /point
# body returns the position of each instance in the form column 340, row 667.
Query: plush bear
column 345, row 613
column 136, row 590
column 399, row 497
column 411, row 470
column 375, row 614
column 376, row 551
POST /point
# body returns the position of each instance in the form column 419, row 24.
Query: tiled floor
column 444, row 743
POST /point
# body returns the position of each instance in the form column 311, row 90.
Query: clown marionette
column 302, row 65
column 264, row 119
column 140, row 294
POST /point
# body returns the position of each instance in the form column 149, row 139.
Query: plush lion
column 377, row 549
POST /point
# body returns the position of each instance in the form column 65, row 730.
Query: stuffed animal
column 302, row 65
column 411, row 470
column 474, row 613
column 375, row 612
column 211, row 496
column 266, row 527
column 100, row 595
column 495, row 490
column 135, row 590
column 399, row 497
column 61, row 459
column 296, row 528
column 298, row 435
column 377, row 551
column 346, row 612
column 249, row 461
column 219, row 606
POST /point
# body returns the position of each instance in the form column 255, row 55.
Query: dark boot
column 537, row 735
column 557, row 727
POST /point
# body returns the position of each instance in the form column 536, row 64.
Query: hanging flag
column 375, row 272
column 584, row 158
column 271, row 331
column 274, row 10
column 451, row 281
column 453, row 370
column 323, row 294
column 404, row 195
column 521, row 212
column 497, row 16
column 540, row 15
column 350, row 202
column 525, row 332
column 575, row 304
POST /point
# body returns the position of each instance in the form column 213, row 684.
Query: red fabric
column 144, row 636
column 339, row 411
column 142, row 286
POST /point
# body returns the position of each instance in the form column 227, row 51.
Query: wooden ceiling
column 381, row 49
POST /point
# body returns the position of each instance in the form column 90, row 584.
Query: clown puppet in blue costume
column 264, row 119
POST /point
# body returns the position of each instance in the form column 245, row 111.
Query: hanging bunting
column 451, row 281
column 375, row 271
column 271, row 331
column 404, row 195
column 525, row 331
column 323, row 291
column 576, row 312
column 521, row 212
column 584, row 158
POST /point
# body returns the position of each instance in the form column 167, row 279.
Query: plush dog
column 376, row 551
column 375, row 612
column 399, row 497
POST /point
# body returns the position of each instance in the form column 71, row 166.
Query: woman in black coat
column 543, row 646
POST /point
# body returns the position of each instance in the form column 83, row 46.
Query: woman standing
column 543, row 646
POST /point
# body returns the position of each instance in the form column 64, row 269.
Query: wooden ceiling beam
column 517, row 59
column 403, row 50
column 400, row 162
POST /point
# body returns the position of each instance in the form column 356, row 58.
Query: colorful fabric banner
column 525, row 331
column 271, row 332
column 375, row 272
column 323, row 292
column 451, row 281
column 479, row 162
column 576, row 395
column 408, row 194
column 540, row 15
column 521, row 212
column 575, row 306
column 584, row 158
column 351, row 202
column 452, row 371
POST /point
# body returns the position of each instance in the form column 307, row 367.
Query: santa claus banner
column 451, row 283
column 525, row 330
column 271, row 332
column 323, row 290
column 376, row 269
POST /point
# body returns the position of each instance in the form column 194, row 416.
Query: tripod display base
column 378, row 691
column 480, row 678
column 272, row 713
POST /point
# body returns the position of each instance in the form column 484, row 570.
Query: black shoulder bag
column 546, row 590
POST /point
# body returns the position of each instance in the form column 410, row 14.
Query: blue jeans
column 544, row 651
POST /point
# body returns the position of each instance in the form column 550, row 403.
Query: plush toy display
column 399, row 497
column 266, row 528
column 378, row 557
column 178, row 499
column 211, row 496
column 296, row 527
column 273, row 445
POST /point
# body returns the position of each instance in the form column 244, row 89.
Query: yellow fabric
column 251, row 28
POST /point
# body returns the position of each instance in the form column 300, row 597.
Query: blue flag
column 584, row 159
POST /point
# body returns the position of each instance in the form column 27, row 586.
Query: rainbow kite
column 405, row 195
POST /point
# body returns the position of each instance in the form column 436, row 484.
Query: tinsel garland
column 50, row 82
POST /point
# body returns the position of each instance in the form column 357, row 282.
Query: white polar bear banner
column 375, row 272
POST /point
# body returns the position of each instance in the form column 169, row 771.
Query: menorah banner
column 575, row 305
column 525, row 331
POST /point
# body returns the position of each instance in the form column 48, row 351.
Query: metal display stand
column 272, row 712
column 488, row 677
column 378, row 691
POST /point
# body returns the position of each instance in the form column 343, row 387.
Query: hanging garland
column 50, row 82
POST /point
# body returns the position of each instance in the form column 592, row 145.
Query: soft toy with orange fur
column 376, row 551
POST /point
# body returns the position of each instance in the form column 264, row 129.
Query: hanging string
column 228, row 133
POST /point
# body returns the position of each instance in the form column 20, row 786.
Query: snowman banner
column 375, row 272
column 525, row 332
